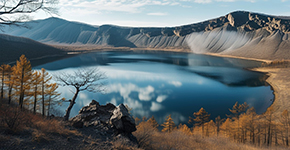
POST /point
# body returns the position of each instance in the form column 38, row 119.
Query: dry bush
column 40, row 137
column 277, row 63
column 12, row 118
column 121, row 144
column 145, row 134
column 55, row 127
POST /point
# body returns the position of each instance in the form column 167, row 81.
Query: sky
column 159, row 13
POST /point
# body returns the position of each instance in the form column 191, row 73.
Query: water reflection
column 160, row 84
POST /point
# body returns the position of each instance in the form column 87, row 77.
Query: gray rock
column 122, row 120
column 106, row 120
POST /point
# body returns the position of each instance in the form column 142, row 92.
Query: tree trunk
column 269, row 136
column 35, row 99
column 287, row 135
column 42, row 93
column 276, row 137
column 48, row 109
column 10, row 90
column 72, row 102
column 21, row 96
column 2, row 84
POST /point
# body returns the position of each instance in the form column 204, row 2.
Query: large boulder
column 122, row 120
column 108, row 116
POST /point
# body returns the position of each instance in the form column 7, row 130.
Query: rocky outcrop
column 108, row 120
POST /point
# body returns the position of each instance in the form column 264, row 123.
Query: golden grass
column 152, row 139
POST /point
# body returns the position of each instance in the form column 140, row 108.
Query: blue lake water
column 163, row 83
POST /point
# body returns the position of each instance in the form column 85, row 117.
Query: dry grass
column 123, row 145
column 277, row 64
column 151, row 139
column 16, row 120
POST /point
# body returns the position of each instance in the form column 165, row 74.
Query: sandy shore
column 279, row 79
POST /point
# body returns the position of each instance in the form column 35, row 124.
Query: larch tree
column 152, row 121
column 82, row 80
column 22, row 77
column 4, row 69
column 218, row 123
column 269, row 124
column 184, row 129
column 36, row 80
column 285, row 120
column 168, row 125
column 227, row 127
column 200, row 118
column 14, row 11
column 251, row 122
column 236, row 111
column 9, row 82
column 45, row 78
column 53, row 96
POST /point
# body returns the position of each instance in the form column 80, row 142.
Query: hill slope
column 238, row 33
column 13, row 47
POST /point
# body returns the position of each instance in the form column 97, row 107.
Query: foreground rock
column 106, row 121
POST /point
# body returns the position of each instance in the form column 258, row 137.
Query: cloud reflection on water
column 157, row 85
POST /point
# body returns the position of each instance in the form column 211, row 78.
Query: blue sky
column 160, row 13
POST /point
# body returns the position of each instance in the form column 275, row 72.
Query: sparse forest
column 243, row 126
column 32, row 90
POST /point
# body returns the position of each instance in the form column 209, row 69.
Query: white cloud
column 132, row 6
column 144, row 93
column 175, row 83
column 203, row 1
column 284, row 0
column 155, row 106
column 157, row 14
column 113, row 101
column 161, row 98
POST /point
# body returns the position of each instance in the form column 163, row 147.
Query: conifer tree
column 22, row 76
column 36, row 80
column 218, row 123
column 52, row 95
column 236, row 111
column 251, row 123
column 226, row 127
column 269, row 125
column 200, row 118
column 285, row 120
column 152, row 121
column 168, row 125
column 184, row 129
column 4, row 69
column 9, row 82
column 45, row 78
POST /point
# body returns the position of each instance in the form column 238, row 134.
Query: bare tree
column 14, row 11
column 82, row 80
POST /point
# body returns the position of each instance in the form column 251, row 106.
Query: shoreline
column 279, row 80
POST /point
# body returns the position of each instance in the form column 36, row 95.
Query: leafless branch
column 15, row 11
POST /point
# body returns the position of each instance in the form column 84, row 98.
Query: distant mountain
column 12, row 48
column 238, row 33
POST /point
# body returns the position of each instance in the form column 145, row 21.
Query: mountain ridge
column 237, row 33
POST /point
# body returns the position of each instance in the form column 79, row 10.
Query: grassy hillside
column 13, row 47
